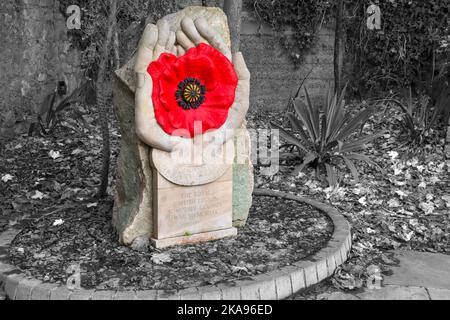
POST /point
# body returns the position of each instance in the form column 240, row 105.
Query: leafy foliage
column 94, row 14
column 408, row 46
column 48, row 114
column 419, row 116
column 295, row 21
column 324, row 137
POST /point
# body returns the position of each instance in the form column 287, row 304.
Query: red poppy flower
column 198, row 86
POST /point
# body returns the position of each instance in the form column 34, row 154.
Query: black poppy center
column 190, row 93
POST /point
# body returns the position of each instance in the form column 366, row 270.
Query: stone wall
column 35, row 53
column 273, row 74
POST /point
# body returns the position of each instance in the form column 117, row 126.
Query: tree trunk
column 102, row 99
column 116, row 49
column 233, row 10
column 338, row 47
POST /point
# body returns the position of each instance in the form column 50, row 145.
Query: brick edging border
column 278, row 284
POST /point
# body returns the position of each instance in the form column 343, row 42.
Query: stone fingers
column 164, row 38
column 180, row 50
column 212, row 36
column 145, row 49
column 184, row 42
column 190, row 30
column 147, row 128
column 170, row 45
column 240, row 67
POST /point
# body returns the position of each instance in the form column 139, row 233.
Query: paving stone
column 267, row 288
column 230, row 292
column 310, row 275
column 344, row 254
column 102, row 295
column 338, row 258
column 146, row 295
column 174, row 296
column 322, row 269
column 298, row 279
column 124, row 295
column 439, row 294
column 395, row 293
column 210, row 293
column 420, row 269
column 60, row 293
column 23, row 291
column 250, row 290
column 190, row 294
column 348, row 243
column 42, row 291
column 11, row 284
column 283, row 284
column 81, row 295
column 167, row 295
column 331, row 265
column 337, row 296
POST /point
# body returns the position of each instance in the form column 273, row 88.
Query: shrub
column 409, row 44
column 419, row 117
column 47, row 117
column 324, row 138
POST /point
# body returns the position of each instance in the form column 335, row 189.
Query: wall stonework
column 273, row 74
column 35, row 53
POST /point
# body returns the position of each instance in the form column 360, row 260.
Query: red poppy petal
column 167, row 95
column 200, row 67
column 160, row 112
column 157, row 67
column 213, row 118
column 222, row 97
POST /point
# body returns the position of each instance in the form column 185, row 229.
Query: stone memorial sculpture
column 184, row 169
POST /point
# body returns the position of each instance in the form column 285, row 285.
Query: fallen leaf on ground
column 54, row 154
column 37, row 195
column 7, row 177
column 58, row 222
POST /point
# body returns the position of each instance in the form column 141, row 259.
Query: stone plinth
column 184, row 214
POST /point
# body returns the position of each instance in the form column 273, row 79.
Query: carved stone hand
column 158, row 39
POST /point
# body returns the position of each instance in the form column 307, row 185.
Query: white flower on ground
column 7, row 177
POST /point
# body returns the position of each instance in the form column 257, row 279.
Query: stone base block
column 195, row 238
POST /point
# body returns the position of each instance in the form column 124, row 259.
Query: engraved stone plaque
column 194, row 213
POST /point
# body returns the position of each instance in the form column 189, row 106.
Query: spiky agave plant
column 325, row 138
